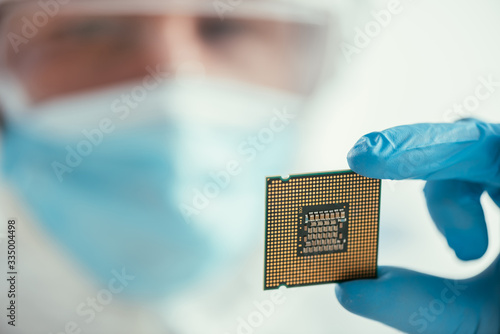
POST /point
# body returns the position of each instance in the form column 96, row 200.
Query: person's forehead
column 311, row 11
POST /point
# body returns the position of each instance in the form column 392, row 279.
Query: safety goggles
column 62, row 46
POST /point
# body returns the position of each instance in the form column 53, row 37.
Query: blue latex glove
column 459, row 161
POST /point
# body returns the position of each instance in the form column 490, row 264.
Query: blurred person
column 134, row 139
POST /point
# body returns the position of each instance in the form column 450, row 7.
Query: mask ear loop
column 13, row 99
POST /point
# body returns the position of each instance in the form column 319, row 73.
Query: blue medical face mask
column 163, row 185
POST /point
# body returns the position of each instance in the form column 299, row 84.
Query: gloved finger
column 456, row 209
column 466, row 150
column 411, row 302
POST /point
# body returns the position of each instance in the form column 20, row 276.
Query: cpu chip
column 321, row 228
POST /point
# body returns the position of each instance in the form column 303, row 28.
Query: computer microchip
column 321, row 228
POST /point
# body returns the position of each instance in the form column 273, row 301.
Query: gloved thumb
column 410, row 301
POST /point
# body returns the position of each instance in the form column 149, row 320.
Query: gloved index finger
column 466, row 150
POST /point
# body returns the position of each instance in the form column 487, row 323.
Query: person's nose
column 175, row 42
